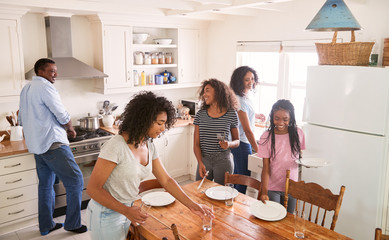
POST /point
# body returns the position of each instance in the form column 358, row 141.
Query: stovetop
column 88, row 142
column 83, row 135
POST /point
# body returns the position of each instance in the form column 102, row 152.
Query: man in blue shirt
column 46, row 125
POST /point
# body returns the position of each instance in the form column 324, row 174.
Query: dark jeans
column 277, row 196
column 241, row 157
column 58, row 162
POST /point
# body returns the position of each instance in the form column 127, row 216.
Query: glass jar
column 154, row 58
column 147, row 58
column 161, row 58
column 138, row 58
column 168, row 58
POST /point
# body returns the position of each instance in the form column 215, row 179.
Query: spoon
column 105, row 105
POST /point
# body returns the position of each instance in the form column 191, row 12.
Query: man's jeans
column 60, row 162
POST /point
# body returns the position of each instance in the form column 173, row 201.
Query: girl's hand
column 224, row 144
column 264, row 197
column 202, row 170
column 135, row 215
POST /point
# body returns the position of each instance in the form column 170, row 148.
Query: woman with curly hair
column 127, row 159
column 243, row 81
column 216, row 130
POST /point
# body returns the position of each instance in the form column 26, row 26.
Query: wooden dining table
column 235, row 222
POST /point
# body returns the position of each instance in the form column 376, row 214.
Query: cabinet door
column 177, row 154
column 191, row 155
column 11, row 70
column 160, row 145
column 116, row 57
column 189, row 56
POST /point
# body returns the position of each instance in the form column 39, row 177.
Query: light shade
column 334, row 16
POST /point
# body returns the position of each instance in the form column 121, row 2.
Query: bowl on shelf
column 139, row 38
column 163, row 41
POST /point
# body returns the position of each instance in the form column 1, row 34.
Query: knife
column 203, row 180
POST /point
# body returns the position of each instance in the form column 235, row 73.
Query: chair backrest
column 315, row 195
column 148, row 185
column 243, row 180
column 133, row 233
column 379, row 235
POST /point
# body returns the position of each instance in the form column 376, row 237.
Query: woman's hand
column 260, row 116
column 202, row 210
column 224, row 144
column 264, row 197
column 202, row 170
column 135, row 215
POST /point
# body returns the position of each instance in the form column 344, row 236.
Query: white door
column 348, row 97
column 117, row 61
column 11, row 70
column 177, row 158
column 189, row 56
column 357, row 161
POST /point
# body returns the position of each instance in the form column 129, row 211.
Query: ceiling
column 200, row 9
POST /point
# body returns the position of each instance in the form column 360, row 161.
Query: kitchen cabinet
column 18, row 192
column 173, row 151
column 189, row 56
column 116, row 49
column 117, row 59
column 11, row 59
column 192, row 157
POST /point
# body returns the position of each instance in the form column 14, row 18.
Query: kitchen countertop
column 8, row 148
column 180, row 123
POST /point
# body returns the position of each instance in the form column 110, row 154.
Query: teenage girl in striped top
column 216, row 130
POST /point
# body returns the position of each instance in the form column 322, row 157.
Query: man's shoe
column 81, row 229
column 57, row 226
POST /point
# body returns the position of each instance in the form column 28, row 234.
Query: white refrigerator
column 346, row 116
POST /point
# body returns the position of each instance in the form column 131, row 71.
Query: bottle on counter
column 143, row 78
column 136, row 78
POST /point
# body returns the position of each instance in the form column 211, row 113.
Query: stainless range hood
column 59, row 49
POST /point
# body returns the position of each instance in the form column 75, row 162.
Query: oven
column 85, row 148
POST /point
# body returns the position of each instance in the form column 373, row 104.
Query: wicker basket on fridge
column 352, row 53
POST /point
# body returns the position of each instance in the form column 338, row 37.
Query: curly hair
column 140, row 114
column 237, row 77
column 294, row 140
column 224, row 96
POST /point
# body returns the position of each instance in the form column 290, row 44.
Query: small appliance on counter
column 192, row 104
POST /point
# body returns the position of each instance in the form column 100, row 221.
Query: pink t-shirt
column 283, row 159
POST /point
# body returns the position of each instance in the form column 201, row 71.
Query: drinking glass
column 299, row 224
column 145, row 207
column 220, row 136
column 229, row 194
column 207, row 221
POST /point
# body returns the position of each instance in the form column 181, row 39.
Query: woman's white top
column 123, row 183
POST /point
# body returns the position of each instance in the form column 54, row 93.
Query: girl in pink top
column 279, row 147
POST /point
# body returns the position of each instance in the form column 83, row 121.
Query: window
column 281, row 69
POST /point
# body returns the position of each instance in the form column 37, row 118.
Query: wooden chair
column 315, row 195
column 133, row 232
column 243, row 180
column 379, row 235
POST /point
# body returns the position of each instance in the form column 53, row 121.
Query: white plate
column 158, row 199
column 312, row 162
column 219, row 193
column 271, row 211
